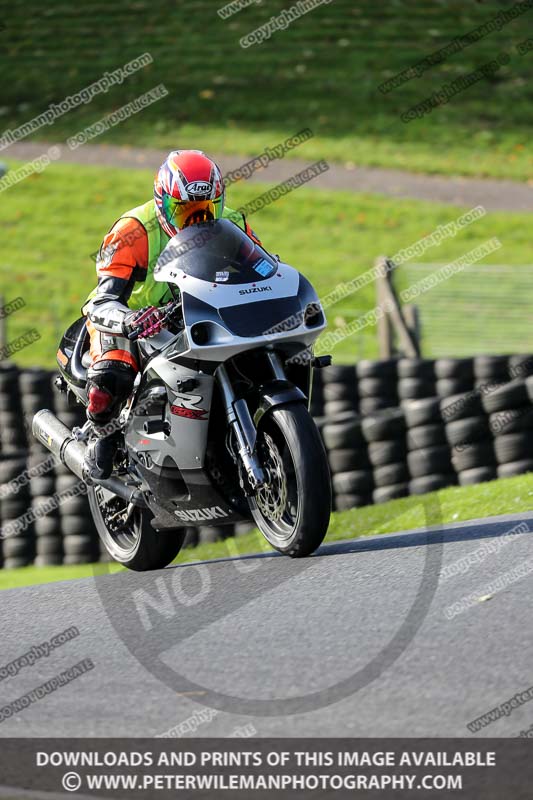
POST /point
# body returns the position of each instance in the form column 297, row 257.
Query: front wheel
column 293, row 508
column 132, row 541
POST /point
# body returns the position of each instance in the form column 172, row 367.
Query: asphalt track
column 369, row 615
column 493, row 194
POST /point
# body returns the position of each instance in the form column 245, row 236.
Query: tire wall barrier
column 390, row 428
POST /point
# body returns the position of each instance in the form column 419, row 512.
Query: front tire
column 292, row 511
column 137, row 545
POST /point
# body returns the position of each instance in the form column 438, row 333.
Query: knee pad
column 109, row 384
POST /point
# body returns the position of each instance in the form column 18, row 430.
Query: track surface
column 267, row 627
column 494, row 195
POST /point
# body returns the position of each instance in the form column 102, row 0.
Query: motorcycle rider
column 188, row 189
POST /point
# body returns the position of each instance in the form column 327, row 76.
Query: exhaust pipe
column 57, row 438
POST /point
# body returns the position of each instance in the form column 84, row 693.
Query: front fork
column 242, row 425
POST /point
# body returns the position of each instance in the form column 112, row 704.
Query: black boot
column 99, row 457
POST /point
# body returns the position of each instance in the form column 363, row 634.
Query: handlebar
column 170, row 309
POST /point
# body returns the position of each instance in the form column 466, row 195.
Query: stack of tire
column 36, row 393
column 454, row 376
column 377, row 385
column 339, row 391
column 81, row 544
column 18, row 544
column 384, row 433
column 511, row 423
column 416, row 379
column 490, row 370
column 469, row 436
column 428, row 457
column 520, row 366
column 348, row 461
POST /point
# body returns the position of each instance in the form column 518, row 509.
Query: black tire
column 385, row 425
column 17, row 563
column 423, row 436
column 376, row 387
column 347, row 459
column 509, row 395
column 469, row 477
column 49, row 545
column 18, row 547
column 512, row 420
column 77, row 506
column 14, row 506
column 339, row 373
column 373, row 405
column 215, row 533
column 47, row 526
column 390, row 451
column 12, row 467
column 339, row 391
column 479, row 454
column 80, row 559
column 515, row 468
column 415, row 388
column 390, row 474
column 75, row 525
column 425, row 411
column 386, row 368
column 455, row 369
column 289, row 440
column 332, row 408
column 529, row 388
column 520, row 366
column 343, row 502
column 448, row 386
column 48, row 511
column 428, row 461
column 513, row 447
column 432, row 483
column 461, row 406
column 140, row 547
column 35, row 380
column 52, row 560
column 421, row 368
column 385, row 493
column 353, row 482
column 42, row 485
column 192, row 537
column 491, row 368
column 465, row 431
column 342, row 434
column 80, row 545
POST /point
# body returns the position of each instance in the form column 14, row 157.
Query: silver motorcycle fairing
column 180, row 449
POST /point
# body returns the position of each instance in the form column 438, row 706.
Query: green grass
column 51, row 222
column 323, row 72
column 456, row 504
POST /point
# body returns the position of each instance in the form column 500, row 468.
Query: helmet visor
column 181, row 213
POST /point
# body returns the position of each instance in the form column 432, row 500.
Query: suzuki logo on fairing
column 201, row 514
column 256, row 289
column 199, row 187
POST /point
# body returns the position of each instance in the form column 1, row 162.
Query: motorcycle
column 217, row 430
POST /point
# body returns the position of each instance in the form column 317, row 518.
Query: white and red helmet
column 188, row 189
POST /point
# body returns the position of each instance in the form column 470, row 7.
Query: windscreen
column 218, row 252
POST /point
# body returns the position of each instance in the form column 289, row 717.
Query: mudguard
column 277, row 393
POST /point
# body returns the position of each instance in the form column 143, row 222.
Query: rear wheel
column 132, row 541
column 293, row 509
